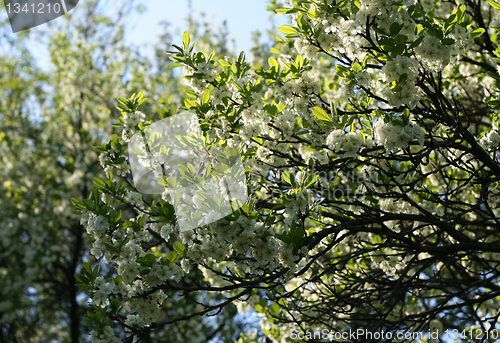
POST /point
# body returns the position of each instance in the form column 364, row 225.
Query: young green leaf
column 287, row 29
column 285, row 10
column 313, row 14
column 99, row 183
column 186, row 39
column 206, row 97
column 356, row 67
column 494, row 4
column 321, row 114
column 477, row 32
column 273, row 64
column 179, row 248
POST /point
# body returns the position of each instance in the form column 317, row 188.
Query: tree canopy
column 369, row 145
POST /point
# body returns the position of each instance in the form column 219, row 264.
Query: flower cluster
column 306, row 48
column 108, row 161
column 463, row 42
column 389, row 260
column 403, row 71
column 199, row 78
column 107, row 337
column 96, row 226
column 222, row 91
column 102, row 291
column 491, row 140
column 207, row 71
column 130, row 124
column 146, row 310
column 433, row 53
column 394, row 136
column 348, row 142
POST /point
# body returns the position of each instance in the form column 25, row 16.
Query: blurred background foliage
column 58, row 91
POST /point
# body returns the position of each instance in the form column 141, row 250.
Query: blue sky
column 242, row 16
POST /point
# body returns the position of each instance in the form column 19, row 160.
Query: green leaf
column 298, row 234
column 206, row 97
column 313, row 14
column 448, row 41
column 303, row 24
column 400, row 39
column 397, row 88
column 450, row 23
column 77, row 204
column 99, row 183
column 179, row 248
column 493, row 75
column 103, row 148
column 147, row 260
column 190, row 103
column 286, row 178
column 87, row 268
column 386, row 41
column 356, row 67
column 283, row 302
column 416, row 42
column 395, row 28
column 122, row 159
column 321, row 114
column 285, row 10
column 341, row 71
column 365, row 60
column 477, row 32
column 127, row 103
column 378, row 240
column 275, row 309
column 96, row 271
column 311, row 180
column 186, row 39
column 90, row 205
column 172, row 256
column 82, row 279
column 224, row 63
column 418, row 14
column 287, row 29
column 273, row 64
column 494, row 4
column 281, row 107
column 461, row 14
column 115, row 139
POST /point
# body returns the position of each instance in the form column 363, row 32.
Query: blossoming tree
column 50, row 116
column 370, row 142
